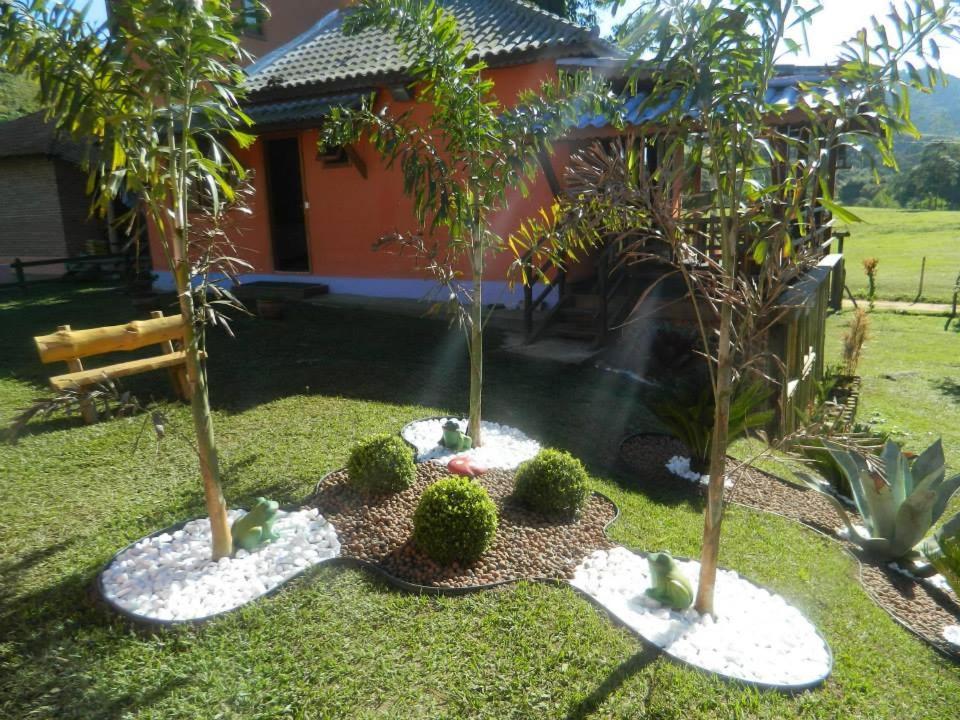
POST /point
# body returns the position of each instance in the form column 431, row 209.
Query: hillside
column 938, row 113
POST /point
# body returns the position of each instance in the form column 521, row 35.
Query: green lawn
column 901, row 239
column 290, row 398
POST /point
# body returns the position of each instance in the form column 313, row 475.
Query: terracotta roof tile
column 324, row 55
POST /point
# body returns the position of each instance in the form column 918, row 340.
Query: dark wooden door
column 288, row 227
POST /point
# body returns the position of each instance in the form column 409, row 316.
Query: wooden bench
column 70, row 346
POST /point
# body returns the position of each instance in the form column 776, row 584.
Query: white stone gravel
column 503, row 446
column 756, row 636
column 951, row 633
column 680, row 466
column 937, row 580
column 172, row 577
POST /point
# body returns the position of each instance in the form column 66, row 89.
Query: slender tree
column 707, row 68
column 155, row 97
column 460, row 162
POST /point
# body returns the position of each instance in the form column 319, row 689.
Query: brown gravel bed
column 378, row 529
column 922, row 609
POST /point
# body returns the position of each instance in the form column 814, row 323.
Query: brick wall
column 44, row 209
column 30, row 222
column 79, row 229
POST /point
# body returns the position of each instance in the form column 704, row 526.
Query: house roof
column 499, row 29
column 301, row 110
column 784, row 92
column 32, row 135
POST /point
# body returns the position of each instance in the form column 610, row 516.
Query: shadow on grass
column 363, row 355
column 613, row 682
column 949, row 387
column 48, row 626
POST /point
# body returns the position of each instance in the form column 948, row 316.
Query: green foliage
column 687, row 411
column 18, row 96
column 942, row 549
column 460, row 160
column 934, row 181
column 455, row 520
column 381, row 464
column 553, row 482
column 154, row 96
column 899, row 501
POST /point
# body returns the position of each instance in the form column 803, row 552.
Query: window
column 250, row 18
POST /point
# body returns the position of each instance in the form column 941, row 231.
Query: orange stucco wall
column 288, row 18
column 346, row 213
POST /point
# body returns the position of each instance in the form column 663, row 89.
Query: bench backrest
column 67, row 344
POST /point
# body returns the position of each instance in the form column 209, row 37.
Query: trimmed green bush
column 553, row 483
column 381, row 464
column 455, row 520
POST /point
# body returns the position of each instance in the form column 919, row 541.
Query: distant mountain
column 938, row 114
column 18, row 96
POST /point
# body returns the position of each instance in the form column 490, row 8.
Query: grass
column 290, row 398
column 911, row 379
column 901, row 239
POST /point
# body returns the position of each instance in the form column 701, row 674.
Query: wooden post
column 603, row 270
column 17, row 266
column 87, row 408
column 528, row 310
column 178, row 375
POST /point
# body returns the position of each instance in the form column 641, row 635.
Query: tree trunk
column 476, row 342
column 713, row 515
column 222, row 542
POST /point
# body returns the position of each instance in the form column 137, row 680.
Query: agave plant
column 942, row 549
column 899, row 501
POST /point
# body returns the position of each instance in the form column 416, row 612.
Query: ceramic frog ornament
column 454, row 439
column 670, row 586
column 256, row 527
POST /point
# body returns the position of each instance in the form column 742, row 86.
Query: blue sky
column 837, row 22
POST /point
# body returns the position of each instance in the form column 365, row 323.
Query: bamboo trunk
column 202, row 421
column 476, row 344
column 713, row 515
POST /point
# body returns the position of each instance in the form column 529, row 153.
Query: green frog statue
column 455, row 439
column 669, row 586
column 256, row 527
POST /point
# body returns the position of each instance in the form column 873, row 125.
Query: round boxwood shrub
column 455, row 520
column 554, row 482
column 381, row 464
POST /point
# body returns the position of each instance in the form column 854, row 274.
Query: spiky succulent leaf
column 930, row 462
column 850, row 465
column 913, row 521
column 871, row 492
column 825, row 490
column 897, row 472
column 944, row 493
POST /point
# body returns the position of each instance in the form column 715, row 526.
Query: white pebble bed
column 951, row 633
column 937, row 580
column 680, row 466
column 755, row 637
column 503, row 446
column 172, row 577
